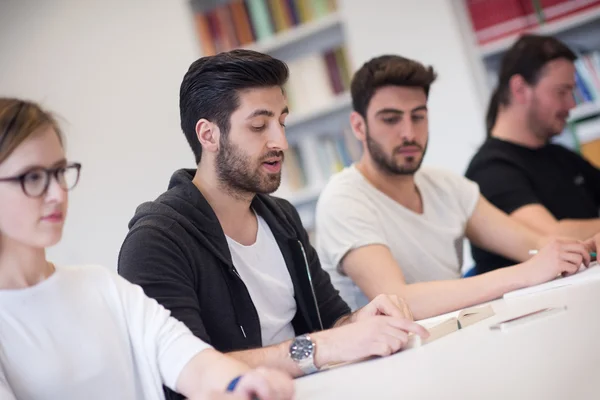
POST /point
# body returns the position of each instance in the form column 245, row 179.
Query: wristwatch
column 302, row 351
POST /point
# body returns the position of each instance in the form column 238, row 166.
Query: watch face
column 301, row 348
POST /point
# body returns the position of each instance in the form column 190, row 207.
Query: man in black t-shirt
column 548, row 188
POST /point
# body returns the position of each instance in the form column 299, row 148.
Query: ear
column 520, row 90
column 359, row 126
column 208, row 135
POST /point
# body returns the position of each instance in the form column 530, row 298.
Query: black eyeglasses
column 36, row 181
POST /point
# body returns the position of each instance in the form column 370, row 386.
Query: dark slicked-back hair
column 387, row 70
column 527, row 57
column 211, row 87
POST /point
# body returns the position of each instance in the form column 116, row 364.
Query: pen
column 534, row 252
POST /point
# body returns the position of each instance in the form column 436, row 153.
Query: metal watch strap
column 307, row 365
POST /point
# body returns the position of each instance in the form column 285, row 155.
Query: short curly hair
column 388, row 70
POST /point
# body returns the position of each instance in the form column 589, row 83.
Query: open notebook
column 589, row 274
column 466, row 317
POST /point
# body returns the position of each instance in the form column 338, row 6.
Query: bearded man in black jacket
column 229, row 260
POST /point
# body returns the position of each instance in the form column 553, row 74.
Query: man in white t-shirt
column 384, row 225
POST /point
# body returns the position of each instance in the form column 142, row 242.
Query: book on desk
column 470, row 316
column 465, row 318
column 437, row 330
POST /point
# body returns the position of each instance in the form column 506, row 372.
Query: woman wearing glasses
column 84, row 332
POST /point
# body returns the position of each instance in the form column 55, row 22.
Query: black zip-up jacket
column 177, row 252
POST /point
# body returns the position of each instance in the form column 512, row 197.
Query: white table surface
column 555, row 357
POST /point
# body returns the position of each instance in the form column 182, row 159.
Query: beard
column 539, row 124
column 240, row 175
column 388, row 164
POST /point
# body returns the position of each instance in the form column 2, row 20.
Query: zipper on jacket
column 236, row 273
column 311, row 284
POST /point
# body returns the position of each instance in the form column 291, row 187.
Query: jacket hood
column 184, row 204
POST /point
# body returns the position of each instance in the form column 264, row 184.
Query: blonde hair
column 18, row 120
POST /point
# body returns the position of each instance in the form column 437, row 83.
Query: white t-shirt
column 263, row 270
column 352, row 213
column 87, row 333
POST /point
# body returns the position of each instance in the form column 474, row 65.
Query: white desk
column 555, row 357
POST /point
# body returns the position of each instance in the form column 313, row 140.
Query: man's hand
column 390, row 305
column 383, row 304
column 261, row 383
column 558, row 257
column 376, row 335
column 265, row 384
column 593, row 245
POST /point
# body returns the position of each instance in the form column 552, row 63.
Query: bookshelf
column 308, row 32
column 587, row 130
column 584, row 111
column 578, row 27
column 556, row 28
column 306, row 195
column 309, row 35
column 335, row 113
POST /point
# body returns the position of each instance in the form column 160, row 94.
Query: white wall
column 111, row 69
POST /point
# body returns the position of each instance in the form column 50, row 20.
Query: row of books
column 587, row 78
column 494, row 19
column 330, row 153
column 316, row 79
column 238, row 23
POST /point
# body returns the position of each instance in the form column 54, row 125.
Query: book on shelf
column 556, row 9
column 465, row 318
column 333, row 155
column 591, row 149
column 587, row 78
column 316, row 79
column 336, row 152
column 226, row 25
column 494, row 19
column 293, row 171
column 329, row 154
